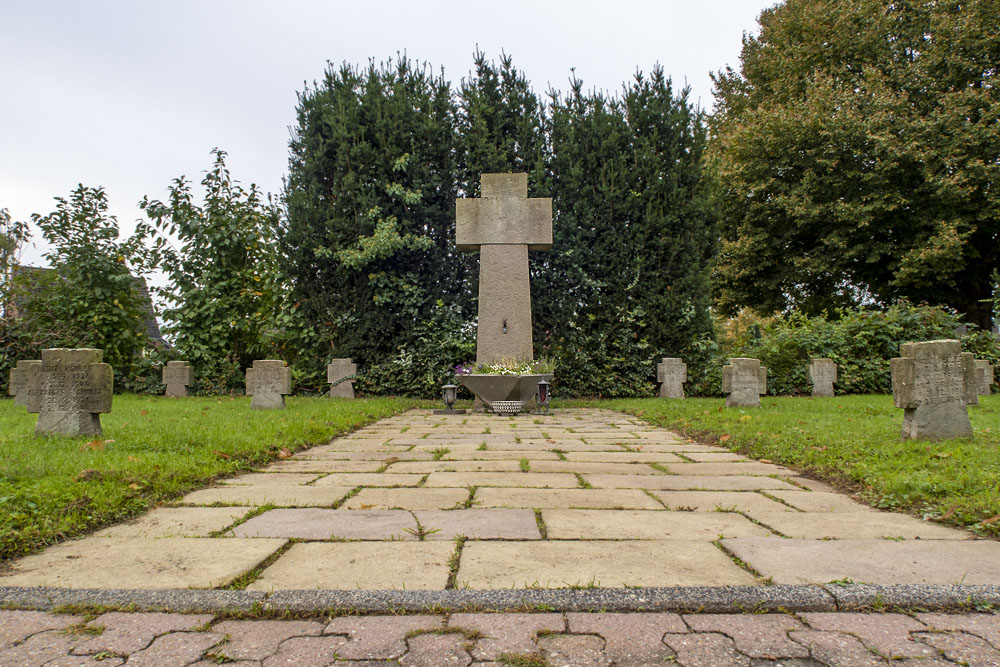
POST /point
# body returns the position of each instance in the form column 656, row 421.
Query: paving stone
column 446, row 649
column 870, row 561
column 411, row 499
column 16, row 626
column 716, row 501
column 576, row 650
column 477, row 455
column 646, row 525
column 725, row 468
column 282, row 496
column 630, row 640
column 562, row 444
column 818, row 501
column 85, row 661
column 889, row 634
column 762, row 636
column 518, row 479
column 367, row 479
column 380, row 445
column 315, row 456
column 377, row 637
column 421, row 467
column 686, row 482
column 550, row 564
column 506, row 633
column 705, row 650
column 960, row 647
column 813, row 485
column 322, row 466
column 353, row 565
column 623, row 457
column 716, row 457
column 147, row 563
column 271, row 479
column 479, row 524
column 38, row 649
column 313, row 523
column 855, row 525
column 177, row 648
column 565, row 498
column 835, row 649
column 986, row 626
column 595, row 467
column 256, row 640
column 126, row 633
column 177, row 522
column 305, row 652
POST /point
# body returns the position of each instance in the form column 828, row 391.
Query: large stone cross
column 69, row 391
column 21, row 378
column 503, row 225
column 177, row 375
column 268, row 380
column 931, row 381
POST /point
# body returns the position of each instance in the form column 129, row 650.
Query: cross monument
column 503, row 225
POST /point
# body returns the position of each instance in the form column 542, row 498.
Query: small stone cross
column 503, row 225
column 984, row 377
column 177, row 375
column 69, row 391
column 745, row 380
column 671, row 373
column 268, row 380
column 340, row 374
column 20, row 379
column 823, row 373
column 929, row 381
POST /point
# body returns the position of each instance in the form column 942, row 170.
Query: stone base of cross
column 70, row 391
column 503, row 225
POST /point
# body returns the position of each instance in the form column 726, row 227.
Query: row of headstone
column 177, row 375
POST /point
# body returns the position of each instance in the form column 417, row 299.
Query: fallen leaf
column 391, row 459
column 724, row 437
column 943, row 455
column 551, row 442
column 950, row 513
column 133, row 485
column 108, row 442
column 284, row 453
column 133, row 459
column 93, row 445
column 222, row 455
column 819, row 449
column 766, row 461
column 143, row 412
column 366, row 507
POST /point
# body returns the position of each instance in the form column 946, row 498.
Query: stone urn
column 492, row 388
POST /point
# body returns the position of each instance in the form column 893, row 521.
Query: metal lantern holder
column 449, row 394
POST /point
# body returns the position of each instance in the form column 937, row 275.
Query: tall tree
column 224, row 290
column 856, row 156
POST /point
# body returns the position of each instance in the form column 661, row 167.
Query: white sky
column 130, row 94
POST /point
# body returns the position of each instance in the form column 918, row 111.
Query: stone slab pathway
column 580, row 498
column 34, row 639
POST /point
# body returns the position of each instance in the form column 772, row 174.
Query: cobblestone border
column 718, row 600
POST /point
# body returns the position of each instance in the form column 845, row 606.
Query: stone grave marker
column 745, row 380
column 177, row 375
column 503, row 225
column 336, row 372
column 268, row 380
column 20, row 379
column 929, row 383
column 671, row 373
column 823, row 373
column 984, row 377
column 969, row 383
column 69, row 391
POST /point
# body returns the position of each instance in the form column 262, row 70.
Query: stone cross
column 336, row 372
column 503, row 225
column 744, row 380
column 984, row 377
column 177, row 375
column 671, row 373
column 69, row 391
column 823, row 373
column 929, row 383
column 20, row 379
column 267, row 381
column 970, row 384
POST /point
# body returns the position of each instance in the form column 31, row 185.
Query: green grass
column 853, row 442
column 153, row 450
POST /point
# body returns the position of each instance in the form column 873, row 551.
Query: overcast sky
column 130, row 94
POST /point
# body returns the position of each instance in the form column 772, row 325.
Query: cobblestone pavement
column 580, row 498
column 30, row 638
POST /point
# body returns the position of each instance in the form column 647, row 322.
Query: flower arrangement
column 507, row 367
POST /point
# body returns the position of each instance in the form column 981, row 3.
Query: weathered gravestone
column 340, row 374
column 503, row 225
column 744, row 380
column 268, row 380
column 984, row 377
column 177, row 375
column 929, row 382
column 671, row 373
column 20, row 379
column 969, row 384
column 823, row 373
column 69, row 391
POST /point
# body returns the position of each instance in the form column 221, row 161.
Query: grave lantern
column 543, row 396
column 449, row 394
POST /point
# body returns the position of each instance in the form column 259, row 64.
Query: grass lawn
column 153, row 449
column 853, row 442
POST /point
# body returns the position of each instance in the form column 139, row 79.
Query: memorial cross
column 69, row 391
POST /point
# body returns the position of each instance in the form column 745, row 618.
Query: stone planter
column 491, row 388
